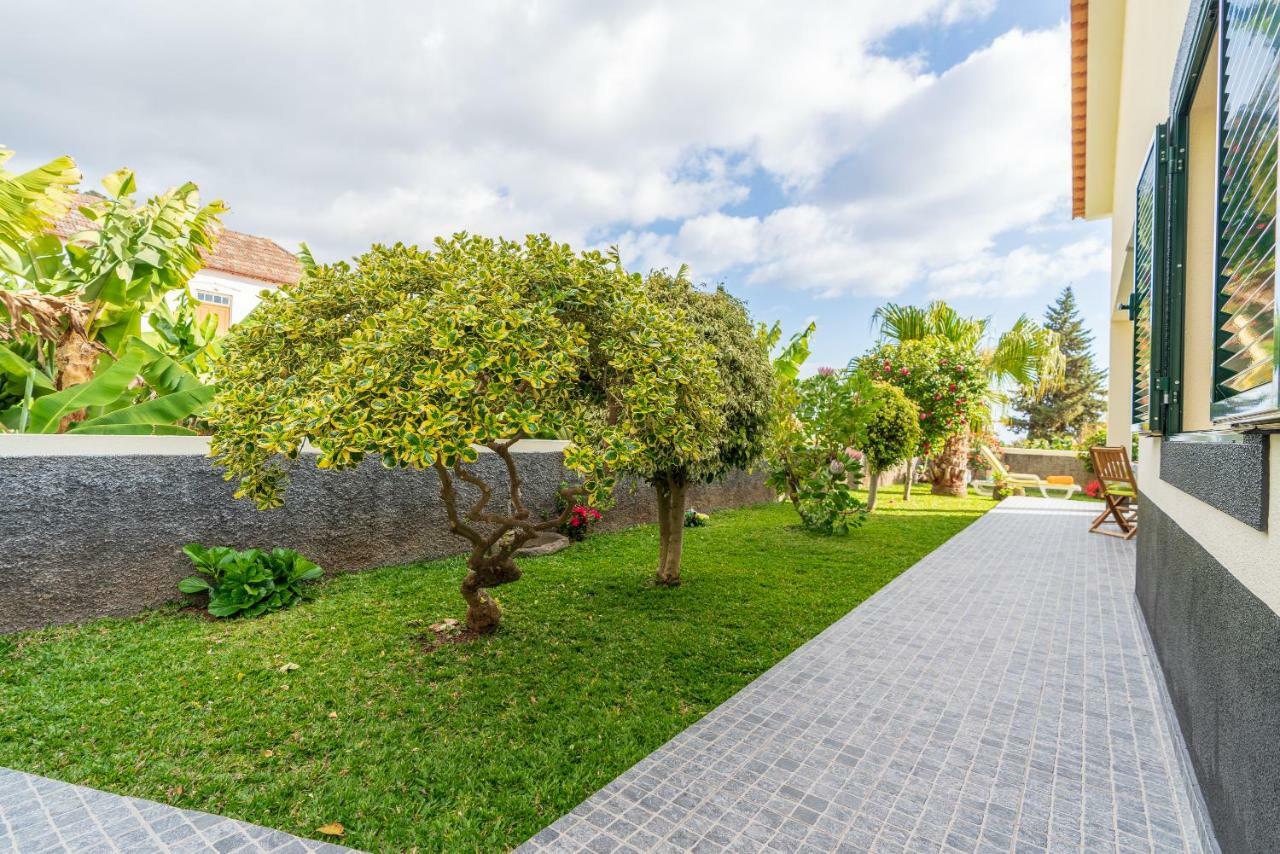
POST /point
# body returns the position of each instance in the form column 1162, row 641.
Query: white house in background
column 233, row 277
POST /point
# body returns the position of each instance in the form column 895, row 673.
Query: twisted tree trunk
column 949, row 466
column 483, row 572
column 873, row 486
column 671, row 491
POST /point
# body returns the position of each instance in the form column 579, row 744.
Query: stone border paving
column 39, row 815
column 998, row 696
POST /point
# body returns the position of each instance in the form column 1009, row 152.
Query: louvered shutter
column 1245, row 367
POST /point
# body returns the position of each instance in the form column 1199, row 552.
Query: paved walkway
column 998, row 696
column 39, row 815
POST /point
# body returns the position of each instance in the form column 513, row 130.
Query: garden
column 442, row 705
column 340, row 711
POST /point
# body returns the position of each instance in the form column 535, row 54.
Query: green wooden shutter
column 1148, row 279
column 1245, row 380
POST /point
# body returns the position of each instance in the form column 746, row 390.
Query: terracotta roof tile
column 236, row 253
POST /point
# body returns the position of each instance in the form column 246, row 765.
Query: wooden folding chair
column 1119, row 491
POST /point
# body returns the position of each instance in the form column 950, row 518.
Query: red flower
column 1094, row 489
column 903, row 371
column 575, row 521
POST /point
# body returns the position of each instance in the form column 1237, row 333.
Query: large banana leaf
column 157, row 416
column 105, row 388
column 13, row 365
column 164, row 373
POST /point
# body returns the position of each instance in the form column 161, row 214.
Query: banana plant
column 71, row 311
column 110, row 400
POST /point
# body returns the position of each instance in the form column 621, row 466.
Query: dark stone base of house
column 93, row 536
column 1219, row 648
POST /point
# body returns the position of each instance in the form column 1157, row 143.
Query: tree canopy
column 733, row 411
column 426, row 357
column 1076, row 404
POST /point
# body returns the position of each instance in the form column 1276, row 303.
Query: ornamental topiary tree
column 431, row 359
column 891, row 435
column 731, row 408
column 947, row 384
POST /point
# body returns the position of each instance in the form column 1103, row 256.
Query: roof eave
column 1097, row 45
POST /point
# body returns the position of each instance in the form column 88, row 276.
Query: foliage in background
column 1070, row 407
column 423, row 357
column 248, row 583
column 891, row 436
column 1025, row 358
column 732, row 409
column 786, row 434
column 1058, row 443
column 71, row 312
column 811, row 461
column 180, row 335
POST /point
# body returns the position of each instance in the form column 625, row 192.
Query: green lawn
column 471, row 747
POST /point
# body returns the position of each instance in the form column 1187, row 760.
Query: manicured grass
column 470, row 747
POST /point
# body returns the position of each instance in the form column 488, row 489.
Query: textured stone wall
column 1045, row 463
column 1219, row 648
column 97, row 535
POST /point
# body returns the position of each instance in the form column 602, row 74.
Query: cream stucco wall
column 1202, row 181
column 1136, row 44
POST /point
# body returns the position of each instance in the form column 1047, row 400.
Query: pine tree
column 1078, row 402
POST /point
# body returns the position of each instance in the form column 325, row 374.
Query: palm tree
column 1026, row 358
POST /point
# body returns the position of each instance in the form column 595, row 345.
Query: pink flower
column 825, row 371
column 854, row 454
column 903, row 371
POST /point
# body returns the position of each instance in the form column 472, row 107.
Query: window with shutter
column 1144, row 267
column 1245, row 379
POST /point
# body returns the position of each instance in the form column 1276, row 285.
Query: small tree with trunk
column 891, row 435
column 732, row 410
column 443, row 359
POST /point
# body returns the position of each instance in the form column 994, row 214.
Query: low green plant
column 694, row 519
column 828, row 504
column 250, row 582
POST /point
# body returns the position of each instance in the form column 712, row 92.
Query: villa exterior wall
column 95, row 526
column 1208, row 557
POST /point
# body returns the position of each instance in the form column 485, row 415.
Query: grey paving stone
column 998, row 696
column 39, row 815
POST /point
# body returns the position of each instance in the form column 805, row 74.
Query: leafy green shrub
column 694, row 519
column 250, row 582
column 891, row 435
column 827, row 504
column 1095, row 439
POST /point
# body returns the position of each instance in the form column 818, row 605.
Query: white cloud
column 644, row 124
column 923, row 195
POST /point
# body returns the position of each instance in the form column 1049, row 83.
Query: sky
column 817, row 158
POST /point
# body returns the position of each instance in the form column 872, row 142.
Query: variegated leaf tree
column 729, row 404
column 428, row 358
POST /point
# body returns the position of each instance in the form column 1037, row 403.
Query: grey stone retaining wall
column 100, row 534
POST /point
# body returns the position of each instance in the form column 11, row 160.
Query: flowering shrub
column 580, row 520
column 945, row 382
column 1093, row 489
column 694, row 519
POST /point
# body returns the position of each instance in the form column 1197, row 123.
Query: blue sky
column 818, row 158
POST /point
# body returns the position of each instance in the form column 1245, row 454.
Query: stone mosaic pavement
column 1001, row 695
column 39, row 815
